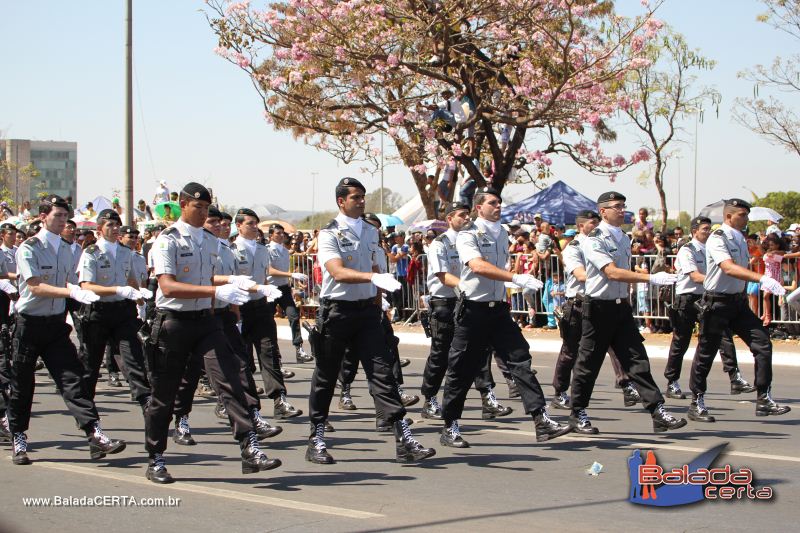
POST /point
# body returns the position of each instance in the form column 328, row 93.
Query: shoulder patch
column 596, row 233
column 170, row 230
column 720, row 233
column 92, row 248
column 331, row 225
column 574, row 242
column 441, row 238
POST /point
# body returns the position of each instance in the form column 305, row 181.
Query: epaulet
column 170, row 230
column 441, row 238
column 91, row 249
column 331, row 225
column 719, row 232
column 204, row 229
column 31, row 242
column 595, row 233
column 574, row 242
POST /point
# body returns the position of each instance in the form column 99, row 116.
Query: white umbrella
column 765, row 213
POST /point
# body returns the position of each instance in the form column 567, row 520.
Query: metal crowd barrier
column 649, row 303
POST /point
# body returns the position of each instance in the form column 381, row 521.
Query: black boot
column 404, row 362
column 264, row 430
column 630, row 396
column 580, row 423
column 451, row 436
column 100, row 444
column 561, row 401
column 697, row 409
column 283, row 409
column 547, row 428
column 302, row 356
column 431, row 409
column 287, row 374
column 220, row 411
column 738, row 384
column 113, row 380
column 492, row 408
column 253, row 459
column 20, row 452
column 674, row 391
column 5, row 434
column 513, row 390
column 183, row 433
column 409, row 450
column 345, row 400
column 407, row 399
column 384, row 426
column 317, row 452
column 664, row 421
column 766, row 406
column 157, row 470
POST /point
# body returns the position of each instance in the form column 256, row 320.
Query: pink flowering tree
column 662, row 93
column 527, row 78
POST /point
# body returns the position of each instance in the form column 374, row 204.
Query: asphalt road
column 506, row 480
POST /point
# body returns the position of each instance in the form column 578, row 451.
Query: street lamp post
column 129, row 112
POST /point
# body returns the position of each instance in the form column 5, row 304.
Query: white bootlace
column 407, row 436
column 675, row 387
column 563, row 398
column 99, row 435
column 664, row 413
column 4, row 421
column 545, row 418
column 258, row 419
column 434, row 403
column 252, row 442
column 20, row 442
column 491, row 399
column 159, row 463
column 319, row 437
column 583, row 418
column 701, row 402
column 454, row 429
column 183, row 425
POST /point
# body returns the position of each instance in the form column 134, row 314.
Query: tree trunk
column 412, row 158
column 659, row 169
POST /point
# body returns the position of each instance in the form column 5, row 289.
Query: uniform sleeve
column 164, row 255
column 87, row 269
column 686, row 262
column 27, row 263
column 467, row 246
column 3, row 268
column 437, row 258
column 328, row 247
column 717, row 249
column 595, row 252
column 572, row 259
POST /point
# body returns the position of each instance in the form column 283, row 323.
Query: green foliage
column 787, row 203
column 392, row 201
column 317, row 221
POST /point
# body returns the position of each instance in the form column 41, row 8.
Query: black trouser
column 72, row 307
column 292, row 315
column 571, row 327
column 350, row 362
column 5, row 302
column 112, row 351
column 683, row 318
column 228, row 320
column 259, row 329
column 356, row 325
column 47, row 337
column 480, row 326
column 182, row 338
column 115, row 323
column 442, row 330
column 731, row 312
column 5, row 351
column 610, row 324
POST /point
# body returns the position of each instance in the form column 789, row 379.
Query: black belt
column 45, row 319
column 443, row 302
column 724, row 297
column 222, row 310
column 108, row 306
column 186, row 315
column 254, row 304
column 615, row 301
column 688, row 296
column 350, row 304
column 486, row 305
column 578, row 298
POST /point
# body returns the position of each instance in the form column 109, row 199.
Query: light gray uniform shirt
column 105, row 269
column 601, row 248
column 36, row 258
column 691, row 258
column 473, row 243
column 357, row 252
column 443, row 258
column 725, row 243
column 573, row 258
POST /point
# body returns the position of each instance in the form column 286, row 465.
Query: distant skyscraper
column 56, row 161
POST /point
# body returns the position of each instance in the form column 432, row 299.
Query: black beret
column 56, row 201
column 699, row 221
column 197, row 191
column 455, row 206
column 108, row 214
column 72, row 223
column 737, row 202
column 488, row 190
column 8, row 226
column 372, row 217
column 351, row 182
column 128, row 230
column 588, row 214
column 159, row 227
column 274, row 227
column 610, row 196
column 225, row 216
column 247, row 212
column 214, row 212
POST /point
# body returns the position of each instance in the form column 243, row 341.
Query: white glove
column 128, row 292
column 663, row 278
column 146, row 293
column 770, row 285
column 299, row 276
column 526, row 281
column 270, row 291
column 141, row 312
column 243, row 282
column 231, row 294
column 7, row 287
column 81, row 295
column 386, row 282
column 385, row 305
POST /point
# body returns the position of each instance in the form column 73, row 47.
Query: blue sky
column 63, row 76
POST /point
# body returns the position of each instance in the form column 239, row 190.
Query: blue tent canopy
column 558, row 204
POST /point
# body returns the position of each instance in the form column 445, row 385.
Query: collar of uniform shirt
column 250, row 244
column 613, row 230
column 493, row 228
column 355, row 224
column 734, row 233
column 224, row 242
column 50, row 238
column 187, row 229
column 451, row 235
column 108, row 247
column 700, row 246
column 275, row 246
column 5, row 248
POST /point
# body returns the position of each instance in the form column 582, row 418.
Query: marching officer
column 129, row 238
column 44, row 266
column 691, row 270
column 279, row 275
column 106, row 269
column 258, row 314
column 8, row 249
column 444, row 269
column 571, row 324
column 350, row 316
column 725, row 307
column 483, row 319
column 608, row 319
column 185, row 332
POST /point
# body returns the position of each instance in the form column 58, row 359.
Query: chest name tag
column 45, row 267
column 190, row 254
